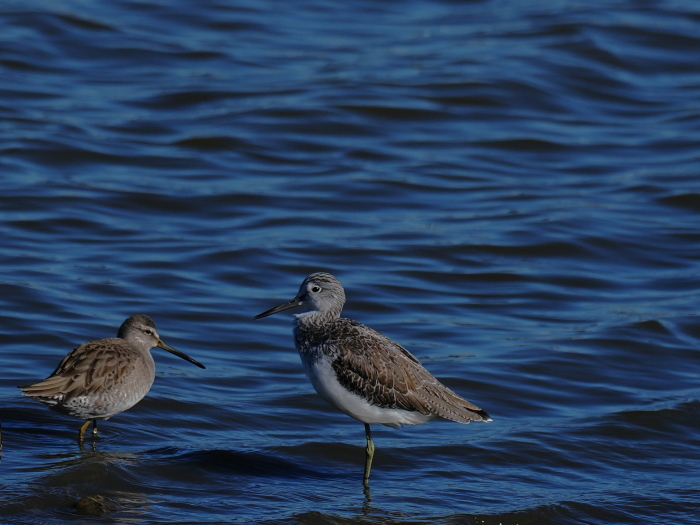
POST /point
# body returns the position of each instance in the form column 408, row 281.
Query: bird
column 362, row 372
column 102, row 378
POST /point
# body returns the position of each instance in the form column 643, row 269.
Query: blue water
column 511, row 190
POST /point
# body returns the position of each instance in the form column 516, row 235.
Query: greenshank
column 362, row 372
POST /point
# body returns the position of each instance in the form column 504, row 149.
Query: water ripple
column 509, row 190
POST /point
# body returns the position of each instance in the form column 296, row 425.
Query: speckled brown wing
column 88, row 369
column 389, row 376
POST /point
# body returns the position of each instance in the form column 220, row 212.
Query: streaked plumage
column 362, row 372
column 100, row 379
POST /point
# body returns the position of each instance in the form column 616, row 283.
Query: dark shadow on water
column 87, row 482
column 559, row 514
column 234, row 462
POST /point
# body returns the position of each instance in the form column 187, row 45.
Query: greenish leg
column 94, row 428
column 370, row 454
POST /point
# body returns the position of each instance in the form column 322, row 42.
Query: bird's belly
column 323, row 379
column 105, row 404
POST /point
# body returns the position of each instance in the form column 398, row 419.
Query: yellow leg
column 81, row 435
column 370, row 454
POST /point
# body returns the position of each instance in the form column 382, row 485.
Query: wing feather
column 88, row 369
column 389, row 376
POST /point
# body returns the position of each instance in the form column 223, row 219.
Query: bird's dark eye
column 148, row 331
column 315, row 289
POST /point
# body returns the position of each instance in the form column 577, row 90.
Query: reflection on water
column 509, row 189
column 63, row 483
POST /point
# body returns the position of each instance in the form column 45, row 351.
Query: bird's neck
column 316, row 317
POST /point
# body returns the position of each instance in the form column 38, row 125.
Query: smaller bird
column 362, row 372
column 100, row 379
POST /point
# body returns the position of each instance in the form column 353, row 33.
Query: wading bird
column 362, row 372
column 100, row 379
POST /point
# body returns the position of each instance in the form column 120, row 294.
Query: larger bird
column 362, row 372
column 100, row 379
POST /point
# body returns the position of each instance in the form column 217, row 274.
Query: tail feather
column 46, row 390
column 448, row 405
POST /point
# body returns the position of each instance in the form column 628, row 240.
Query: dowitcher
column 100, row 379
column 362, row 372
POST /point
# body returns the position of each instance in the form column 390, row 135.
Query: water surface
column 510, row 191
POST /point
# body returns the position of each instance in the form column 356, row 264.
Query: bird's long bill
column 182, row 355
column 280, row 308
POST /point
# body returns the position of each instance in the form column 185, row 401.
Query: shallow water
column 510, row 191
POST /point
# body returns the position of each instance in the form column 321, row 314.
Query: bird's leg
column 370, row 454
column 94, row 428
column 81, row 434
